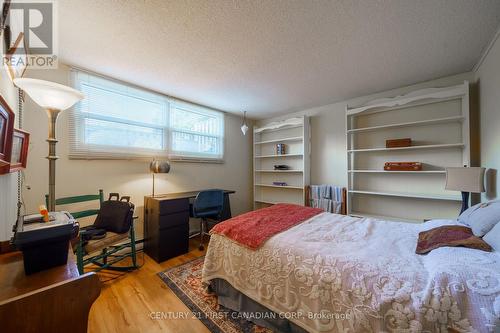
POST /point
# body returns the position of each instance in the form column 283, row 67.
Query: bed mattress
column 334, row 273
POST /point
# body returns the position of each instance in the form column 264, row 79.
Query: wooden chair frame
column 100, row 260
column 78, row 199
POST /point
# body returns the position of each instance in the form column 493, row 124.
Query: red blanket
column 254, row 228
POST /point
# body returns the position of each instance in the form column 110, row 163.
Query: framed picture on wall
column 6, row 132
column 19, row 155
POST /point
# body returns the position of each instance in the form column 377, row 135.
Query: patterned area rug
column 185, row 282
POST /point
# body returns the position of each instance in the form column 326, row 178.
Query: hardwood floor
column 126, row 303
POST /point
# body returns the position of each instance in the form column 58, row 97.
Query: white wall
column 127, row 176
column 8, row 183
column 328, row 139
column 488, row 81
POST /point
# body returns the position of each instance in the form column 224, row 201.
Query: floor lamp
column 54, row 98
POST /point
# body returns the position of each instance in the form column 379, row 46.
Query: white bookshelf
column 295, row 134
column 437, row 121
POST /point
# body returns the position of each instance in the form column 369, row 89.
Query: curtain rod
column 133, row 85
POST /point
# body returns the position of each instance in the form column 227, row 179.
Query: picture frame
column 6, row 133
column 17, row 58
column 4, row 28
column 20, row 145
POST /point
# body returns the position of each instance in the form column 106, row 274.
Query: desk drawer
column 173, row 242
column 172, row 220
column 174, row 206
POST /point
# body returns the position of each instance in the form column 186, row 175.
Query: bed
column 335, row 273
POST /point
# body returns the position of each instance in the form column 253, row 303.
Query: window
column 119, row 121
column 195, row 132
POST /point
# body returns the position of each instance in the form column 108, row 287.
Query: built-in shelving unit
column 294, row 134
column 437, row 121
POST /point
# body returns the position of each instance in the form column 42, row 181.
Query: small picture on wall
column 6, row 132
column 20, row 145
column 2, row 128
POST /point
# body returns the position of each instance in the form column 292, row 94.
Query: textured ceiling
column 270, row 57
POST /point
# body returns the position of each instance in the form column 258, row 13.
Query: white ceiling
column 274, row 56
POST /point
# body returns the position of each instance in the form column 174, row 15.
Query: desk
column 166, row 223
column 53, row 300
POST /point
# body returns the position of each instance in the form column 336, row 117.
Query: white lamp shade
column 465, row 179
column 49, row 95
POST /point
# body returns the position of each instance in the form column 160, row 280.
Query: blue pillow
column 493, row 237
column 482, row 217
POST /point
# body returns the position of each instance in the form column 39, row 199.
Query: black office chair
column 208, row 207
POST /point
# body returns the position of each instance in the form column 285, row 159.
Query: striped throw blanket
column 327, row 198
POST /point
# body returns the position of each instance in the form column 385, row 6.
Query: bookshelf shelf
column 408, row 124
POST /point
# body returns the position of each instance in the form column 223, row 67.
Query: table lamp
column 465, row 180
column 54, row 98
column 158, row 167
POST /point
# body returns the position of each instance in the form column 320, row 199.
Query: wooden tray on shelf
column 398, row 143
column 403, row 166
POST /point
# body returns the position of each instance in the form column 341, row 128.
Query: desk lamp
column 54, row 98
column 158, row 167
column 465, row 180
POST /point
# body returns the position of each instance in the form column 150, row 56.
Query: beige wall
column 328, row 138
column 128, row 176
column 488, row 81
column 8, row 183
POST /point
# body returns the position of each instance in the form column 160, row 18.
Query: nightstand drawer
column 172, row 220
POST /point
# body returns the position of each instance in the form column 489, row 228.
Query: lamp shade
column 159, row 166
column 465, row 179
column 49, row 95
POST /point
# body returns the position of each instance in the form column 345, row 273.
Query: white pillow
column 482, row 217
column 493, row 237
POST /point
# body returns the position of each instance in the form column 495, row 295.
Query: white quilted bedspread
column 336, row 273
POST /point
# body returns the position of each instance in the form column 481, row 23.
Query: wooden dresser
column 166, row 227
column 53, row 300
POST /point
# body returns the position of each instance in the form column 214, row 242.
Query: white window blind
column 118, row 121
column 196, row 132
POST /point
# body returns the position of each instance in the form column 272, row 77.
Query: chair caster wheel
column 201, row 247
